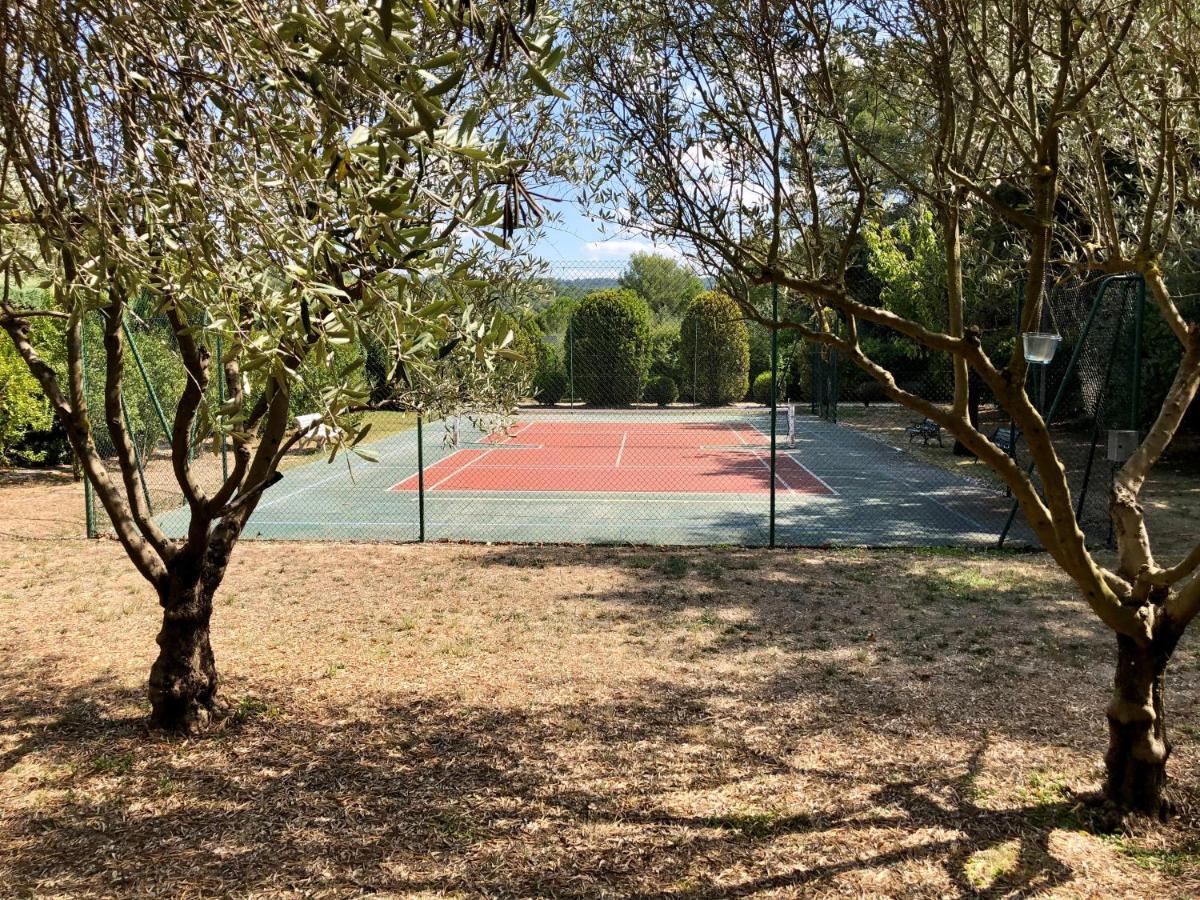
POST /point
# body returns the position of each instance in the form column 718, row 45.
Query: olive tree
column 284, row 178
column 767, row 137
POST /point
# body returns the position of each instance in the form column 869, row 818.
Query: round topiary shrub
column 549, row 377
column 714, row 350
column 610, row 340
column 761, row 391
column 661, row 389
column 549, row 387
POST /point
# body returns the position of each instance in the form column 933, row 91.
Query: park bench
column 1006, row 438
column 927, row 431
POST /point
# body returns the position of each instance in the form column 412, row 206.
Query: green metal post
column 421, row 478
column 137, row 457
column 137, row 357
column 89, row 498
column 221, row 400
column 774, row 401
column 571, row 359
column 1060, row 393
column 1135, row 404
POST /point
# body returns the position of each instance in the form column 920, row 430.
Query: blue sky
column 572, row 236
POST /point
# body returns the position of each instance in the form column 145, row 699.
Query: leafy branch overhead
column 276, row 183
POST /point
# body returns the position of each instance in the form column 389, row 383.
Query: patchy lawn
column 447, row 720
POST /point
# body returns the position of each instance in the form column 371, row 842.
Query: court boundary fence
column 1093, row 341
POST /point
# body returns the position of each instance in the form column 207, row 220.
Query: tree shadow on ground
column 589, row 799
column 881, row 635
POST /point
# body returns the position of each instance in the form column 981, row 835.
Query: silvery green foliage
column 286, row 178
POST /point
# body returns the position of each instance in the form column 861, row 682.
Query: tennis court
column 619, row 457
column 677, row 476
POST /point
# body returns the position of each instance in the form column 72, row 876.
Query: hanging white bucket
column 1040, row 347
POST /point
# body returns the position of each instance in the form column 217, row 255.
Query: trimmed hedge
column 610, row 338
column 549, row 376
column 761, row 392
column 714, row 349
column 662, row 390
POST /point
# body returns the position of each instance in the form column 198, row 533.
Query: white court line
column 301, row 490
column 621, row 450
column 403, row 435
column 469, row 462
column 825, row 484
column 766, row 465
column 584, row 466
column 476, row 459
column 924, row 495
column 455, row 523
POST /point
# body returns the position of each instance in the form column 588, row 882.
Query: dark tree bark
column 1138, row 746
column 183, row 679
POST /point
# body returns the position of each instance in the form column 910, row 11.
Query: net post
column 89, row 498
column 420, row 479
column 774, row 401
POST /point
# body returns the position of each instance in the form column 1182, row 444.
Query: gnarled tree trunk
column 183, row 680
column 1138, row 747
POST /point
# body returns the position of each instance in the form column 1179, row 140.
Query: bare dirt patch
column 446, row 720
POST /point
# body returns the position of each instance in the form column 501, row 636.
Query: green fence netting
column 652, row 420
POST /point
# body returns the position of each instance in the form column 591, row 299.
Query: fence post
column 221, row 401
column 137, row 357
column 420, row 478
column 774, row 401
column 1135, row 406
column 89, row 499
column 1060, row 393
column 696, row 360
column 137, row 456
column 571, row 359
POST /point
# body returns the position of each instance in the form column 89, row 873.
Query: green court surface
column 677, row 476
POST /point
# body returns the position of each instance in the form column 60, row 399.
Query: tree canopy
column 663, row 283
column 1053, row 143
column 284, row 182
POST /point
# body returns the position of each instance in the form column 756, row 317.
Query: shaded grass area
column 532, row 721
column 445, row 720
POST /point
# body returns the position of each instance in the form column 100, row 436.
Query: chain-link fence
column 651, row 418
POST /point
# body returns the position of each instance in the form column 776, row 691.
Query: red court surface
column 620, row 457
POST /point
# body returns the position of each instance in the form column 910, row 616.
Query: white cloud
column 622, row 248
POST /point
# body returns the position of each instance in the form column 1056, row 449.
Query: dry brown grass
column 448, row 720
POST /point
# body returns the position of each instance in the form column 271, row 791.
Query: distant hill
column 577, row 287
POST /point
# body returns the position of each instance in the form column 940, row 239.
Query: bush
column 549, row 377
column 662, row 390
column 871, row 392
column 519, row 374
column 714, row 349
column 664, row 350
column 610, row 339
column 761, row 392
column 549, row 387
column 24, row 409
